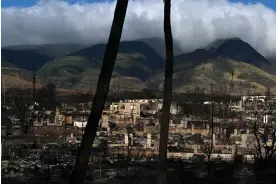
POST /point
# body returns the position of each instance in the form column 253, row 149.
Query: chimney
column 235, row 132
column 247, row 132
column 214, row 139
column 126, row 139
column 148, row 140
column 243, row 140
column 234, row 151
column 157, row 141
column 265, row 119
column 48, row 121
column 193, row 127
column 195, row 148
column 207, row 129
column 185, row 123
column 131, row 139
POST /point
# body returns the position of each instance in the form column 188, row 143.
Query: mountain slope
column 136, row 61
column 218, row 72
column 184, row 61
column 50, row 50
column 272, row 60
column 271, row 68
column 237, row 49
column 158, row 45
column 126, row 47
column 139, row 65
column 24, row 59
column 213, row 46
column 7, row 64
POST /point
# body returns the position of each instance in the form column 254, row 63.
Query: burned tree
column 167, row 94
column 263, row 130
column 46, row 96
column 130, row 132
column 99, row 99
column 20, row 101
column 208, row 147
column 115, row 88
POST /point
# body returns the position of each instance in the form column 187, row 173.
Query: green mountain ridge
column 139, row 65
column 50, row 50
column 158, row 45
column 242, row 51
column 136, row 61
column 217, row 72
column 24, row 59
column 217, row 43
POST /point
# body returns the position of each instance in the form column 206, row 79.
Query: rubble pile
column 54, row 162
column 26, row 170
column 19, row 169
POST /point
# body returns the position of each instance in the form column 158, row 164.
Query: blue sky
column 268, row 3
column 7, row 3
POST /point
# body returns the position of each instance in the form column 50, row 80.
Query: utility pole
column 65, row 132
column 34, row 77
column 100, row 165
column 82, row 126
column 212, row 116
column 212, row 111
column 4, row 89
column 231, row 91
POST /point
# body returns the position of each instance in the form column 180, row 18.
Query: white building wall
column 80, row 124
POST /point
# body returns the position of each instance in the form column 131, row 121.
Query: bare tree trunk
column 112, row 48
column 212, row 130
column 167, row 94
column 128, row 153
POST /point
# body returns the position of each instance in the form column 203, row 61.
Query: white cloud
column 195, row 23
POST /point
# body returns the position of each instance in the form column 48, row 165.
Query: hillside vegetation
column 218, row 72
column 135, row 62
column 24, row 59
column 140, row 65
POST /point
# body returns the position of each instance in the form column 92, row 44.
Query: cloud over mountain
column 195, row 23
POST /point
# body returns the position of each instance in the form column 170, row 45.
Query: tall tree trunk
column 167, row 94
column 112, row 48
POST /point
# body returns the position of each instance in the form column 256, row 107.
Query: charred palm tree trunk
column 112, row 48
column 212, row 132
column 167, row 93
